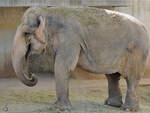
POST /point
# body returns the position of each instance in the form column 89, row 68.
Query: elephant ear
column 40, row 31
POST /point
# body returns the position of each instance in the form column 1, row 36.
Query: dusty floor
column 87, row 96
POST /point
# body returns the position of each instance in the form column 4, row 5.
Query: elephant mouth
column 28, row 51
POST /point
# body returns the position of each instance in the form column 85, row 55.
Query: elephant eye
column 27, row 34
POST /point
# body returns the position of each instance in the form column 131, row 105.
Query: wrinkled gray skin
column 96, row 40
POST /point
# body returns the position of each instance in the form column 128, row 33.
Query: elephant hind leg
column 134, row 69
column 131, row 100
column 114, row 92
column 132, row 80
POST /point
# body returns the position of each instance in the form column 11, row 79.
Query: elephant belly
column 103, row 55
column 106, row 64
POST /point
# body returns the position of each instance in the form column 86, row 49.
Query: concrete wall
column 66, row 3
column 10, row 18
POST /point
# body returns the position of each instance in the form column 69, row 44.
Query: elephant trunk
column 18, row 57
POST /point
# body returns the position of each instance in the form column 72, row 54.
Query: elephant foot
column 63, row 106
column 134, row 108
column 114, row 101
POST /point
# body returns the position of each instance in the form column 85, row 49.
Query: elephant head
column 28, row 38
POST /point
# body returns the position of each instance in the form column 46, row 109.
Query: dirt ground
column 87, row 96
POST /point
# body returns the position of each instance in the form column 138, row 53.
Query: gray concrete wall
column 9, row 19
column 66, row 3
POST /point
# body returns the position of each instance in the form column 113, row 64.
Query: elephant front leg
column 114, row 92
column 62, row 87
column 65, row 62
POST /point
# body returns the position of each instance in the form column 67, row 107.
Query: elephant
column 96, row 40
